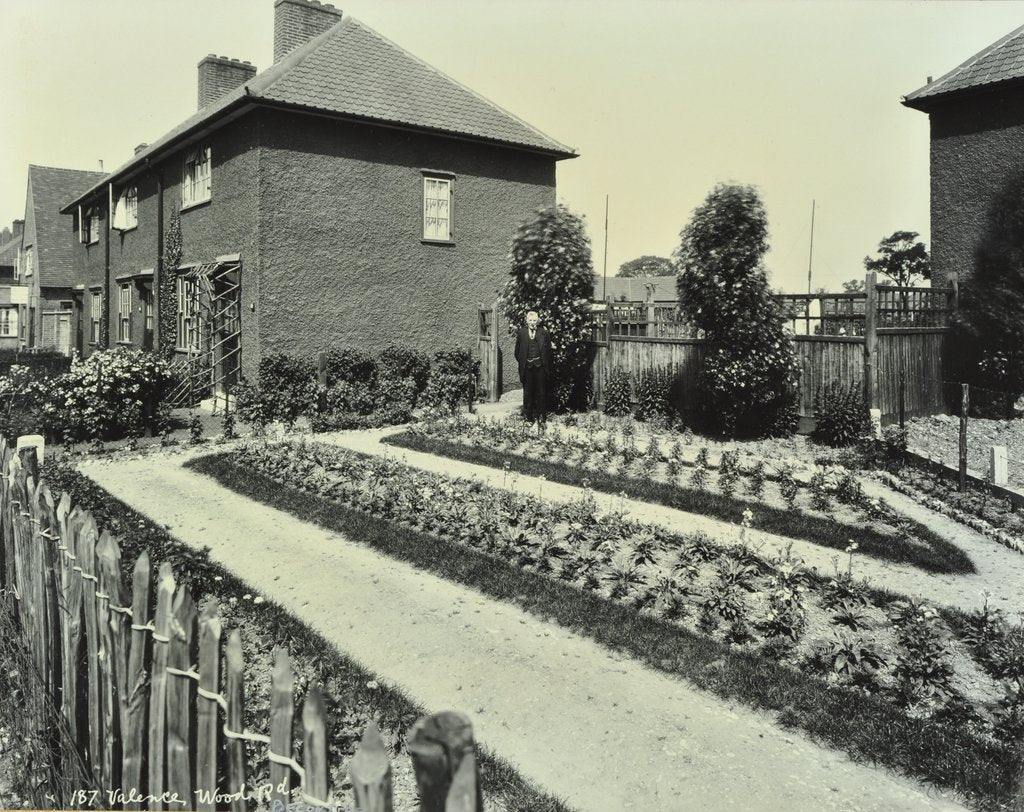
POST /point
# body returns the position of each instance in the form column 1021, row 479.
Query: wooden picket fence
column 154, row 701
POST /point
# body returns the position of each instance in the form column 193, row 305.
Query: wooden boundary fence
column 889, row 340
column 152, row 695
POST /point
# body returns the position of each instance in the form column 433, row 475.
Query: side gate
column 489, row 353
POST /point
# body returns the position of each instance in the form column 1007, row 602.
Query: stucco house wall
column 341, row 234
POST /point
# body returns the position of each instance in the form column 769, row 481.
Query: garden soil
column 593, row 727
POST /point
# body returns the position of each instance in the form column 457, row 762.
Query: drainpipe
column 106, row 267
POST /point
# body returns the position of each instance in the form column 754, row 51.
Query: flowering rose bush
column 748, row 383
column 552, row 273
column 111, row 394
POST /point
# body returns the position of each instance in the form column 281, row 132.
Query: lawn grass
column 194, row 569
column 868, row 728
column 938, row 555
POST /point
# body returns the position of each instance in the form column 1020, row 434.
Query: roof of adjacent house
column 50, row 187
column 9, row 252
column 1002, row 61
column 353, row 72
column 634, row 288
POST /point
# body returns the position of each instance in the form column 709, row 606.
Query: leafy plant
column 617, row 394
column 756, row 479
column 846, row 655
column 748, row 381
column 728, row 472
column 350, row 365
column 821, row 495
column 652, row 394
column 840, row 414
column 452, row 381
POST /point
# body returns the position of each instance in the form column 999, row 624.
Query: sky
column 662, row 99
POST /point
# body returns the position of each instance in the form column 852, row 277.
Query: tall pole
column 810, row 258
column 604, row 289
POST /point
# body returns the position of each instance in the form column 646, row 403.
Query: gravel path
column 593, row 727
column 999, row 570
column 938, row 437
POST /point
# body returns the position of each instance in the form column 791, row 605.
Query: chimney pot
column 296, row 22
column 219, row 75
column 140, row 148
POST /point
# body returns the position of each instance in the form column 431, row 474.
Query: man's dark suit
column 534, row 378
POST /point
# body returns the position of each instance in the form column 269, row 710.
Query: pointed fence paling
column 142, row 697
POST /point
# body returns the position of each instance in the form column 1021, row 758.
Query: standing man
column 533, row 352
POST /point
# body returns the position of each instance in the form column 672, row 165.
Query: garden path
column 593, row 727
column 1000, row 570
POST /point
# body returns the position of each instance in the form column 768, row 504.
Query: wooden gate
column 489, row 353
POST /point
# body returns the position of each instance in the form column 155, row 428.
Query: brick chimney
column 296, row 22
column 219, row 75
column 5, row 235
column 18, row 228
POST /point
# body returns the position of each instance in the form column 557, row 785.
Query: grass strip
column 866, row 727
column 347, row 685
column 937, row 556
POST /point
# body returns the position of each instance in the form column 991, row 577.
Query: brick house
column 349, row 194
column 976, row 114
column 13, row 293
column 50, row 267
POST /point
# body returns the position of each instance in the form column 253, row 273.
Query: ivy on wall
column 168, row 287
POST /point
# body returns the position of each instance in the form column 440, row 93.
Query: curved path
column 595, row 728
column 1000, row 570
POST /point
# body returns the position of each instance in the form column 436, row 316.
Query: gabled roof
column 9, row 251
column 49, row 188
column 351, row 71
column 1002, row 61
column 634, row 288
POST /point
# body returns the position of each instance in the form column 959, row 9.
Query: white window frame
column 196, row 177
column 438, row 208
column 124, row 313
column 9, row 322
column 95, row 315
column 126, row 209
column 187, row 333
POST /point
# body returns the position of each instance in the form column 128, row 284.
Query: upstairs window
column 89, row 230
column 30, row 262
column 124, row 313
column 95, row 315
column 126, row 209
column 195, row 179
column 437, row 208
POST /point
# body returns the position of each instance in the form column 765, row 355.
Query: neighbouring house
column 13, row 293
column 976, row 113
column 660, row 290
column 50, row 266
column 350, row 194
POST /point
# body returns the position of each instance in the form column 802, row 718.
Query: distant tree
column 552, row 273
column 901, row 258
column 853, row 286
column 647, row 265
column 749, row 373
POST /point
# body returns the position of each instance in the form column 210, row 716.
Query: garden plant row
column 829, row 507
column 939, row 695
column 352, row 696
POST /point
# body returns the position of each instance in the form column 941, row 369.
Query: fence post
column 965, row 402
column 370, row 771
column 903, row 397
column 321, row 368
column 870, row 339
column 997, row 468
column 282, row 709
column 439, row 746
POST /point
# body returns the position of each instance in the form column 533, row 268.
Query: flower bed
column 853, row 650
column 828, row 507
column 352, row 696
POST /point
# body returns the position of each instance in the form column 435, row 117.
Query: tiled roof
column 634, row 288
column 9, row 251
column 1001, row 61
column 352, row 71
column 51, row 188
